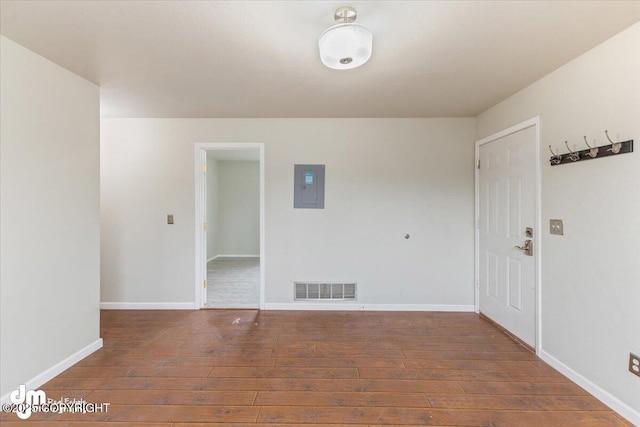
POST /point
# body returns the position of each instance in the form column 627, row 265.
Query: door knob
column 527, row 248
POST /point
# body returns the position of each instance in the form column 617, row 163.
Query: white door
column 506, row 220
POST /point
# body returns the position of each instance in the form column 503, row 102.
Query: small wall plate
column 556, row 227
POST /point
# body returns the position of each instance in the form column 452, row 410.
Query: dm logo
column 26, row 400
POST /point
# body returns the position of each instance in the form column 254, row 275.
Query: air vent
column 324, row 291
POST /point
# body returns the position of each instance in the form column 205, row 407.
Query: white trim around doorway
column 535, row 122
column 200, row 252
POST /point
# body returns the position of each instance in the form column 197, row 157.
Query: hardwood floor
column 197, row 368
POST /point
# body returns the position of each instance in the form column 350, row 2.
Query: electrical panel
column 308, row 190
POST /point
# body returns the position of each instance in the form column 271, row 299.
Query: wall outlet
column 634, row 364
column 556, row 227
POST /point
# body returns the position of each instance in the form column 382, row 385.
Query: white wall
column 213, row 212
column 384, row 178
column 50, row 219
column 239, row 226
column 233, row 207
column 591, row 275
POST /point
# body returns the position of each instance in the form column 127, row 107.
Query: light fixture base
column 345, row 15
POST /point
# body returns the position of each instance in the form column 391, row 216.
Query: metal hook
column 556, row 159
column 573, row 156
column 567, row 145
column 593, row 151
column 615, row 146
column 606, row 132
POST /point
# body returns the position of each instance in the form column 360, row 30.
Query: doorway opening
column 229, row 225
column 508, row 229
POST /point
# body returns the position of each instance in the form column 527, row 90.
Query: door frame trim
column 200, row 151
column 537, row 249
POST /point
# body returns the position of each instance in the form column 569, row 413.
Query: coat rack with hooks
column 591, row 152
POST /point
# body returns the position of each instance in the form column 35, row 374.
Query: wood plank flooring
column 238, row 368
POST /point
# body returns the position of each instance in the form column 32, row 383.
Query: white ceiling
column 260, row 58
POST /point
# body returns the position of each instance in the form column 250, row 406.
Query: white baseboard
column 232, row 256
column 236, row 256
column 147, row 306
column 350, row 306
column 604, row 396
column 57, row 369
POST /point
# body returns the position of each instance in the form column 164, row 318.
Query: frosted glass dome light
column 346, row 45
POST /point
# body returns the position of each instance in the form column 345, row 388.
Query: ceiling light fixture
column 345, row 45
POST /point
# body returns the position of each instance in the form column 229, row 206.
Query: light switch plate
column 170, row 219
column 556, row 227
column 634, row 364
